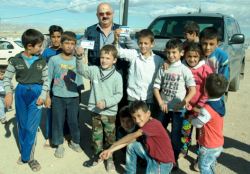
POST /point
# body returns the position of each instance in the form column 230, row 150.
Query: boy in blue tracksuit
column 215, row 57
column 31, row 74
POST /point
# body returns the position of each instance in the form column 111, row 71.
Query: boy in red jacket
column 210, row 120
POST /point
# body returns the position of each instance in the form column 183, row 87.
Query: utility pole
column 124, row 12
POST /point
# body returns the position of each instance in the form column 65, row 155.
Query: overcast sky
column 75, row 14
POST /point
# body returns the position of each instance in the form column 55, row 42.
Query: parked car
column 231, row 39
column 9, row 48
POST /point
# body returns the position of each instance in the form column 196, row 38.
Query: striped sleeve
column 8, row 75
column 45, row 87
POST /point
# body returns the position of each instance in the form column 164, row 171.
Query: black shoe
column 175, row 167
column 93, row 161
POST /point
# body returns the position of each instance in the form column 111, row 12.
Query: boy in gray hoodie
column 106, row 92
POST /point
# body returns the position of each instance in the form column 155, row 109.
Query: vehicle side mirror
column 237, row 39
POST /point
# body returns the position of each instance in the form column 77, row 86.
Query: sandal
column 20, row 161
column 34, row 165
column 3, row 120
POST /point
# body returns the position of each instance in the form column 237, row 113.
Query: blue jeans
column 65, row 109
column 2, row 107
column 207, row 159
column 176, row 118
column 153, row 167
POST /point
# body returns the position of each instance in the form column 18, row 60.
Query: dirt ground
column 234, row 159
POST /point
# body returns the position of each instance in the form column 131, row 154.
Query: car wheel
column 242, row 69
column 235, row 83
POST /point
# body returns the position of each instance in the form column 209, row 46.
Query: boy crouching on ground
column 158, row 152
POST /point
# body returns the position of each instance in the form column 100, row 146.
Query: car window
column 232, row 27
column 168, row 27
column 5, row 45
column 19, row 43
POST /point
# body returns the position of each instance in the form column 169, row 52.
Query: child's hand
column 190, row 118
column 39, row 102
column 8, row 100
column 79, row 51
column 164, row 107
column 180, row 105
column 197, row 109
column 105, row 154
column 165, row 65
column 117, row 34
column 100, row 104
column 48, row 102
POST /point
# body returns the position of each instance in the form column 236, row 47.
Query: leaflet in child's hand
column 125, row 31
column 88, row 44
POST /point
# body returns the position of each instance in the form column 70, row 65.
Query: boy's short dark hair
column 174, row 43
column 136, row 105
column 209, row 33
column 32, row 36
column 192, row 27
column 55, row 28
column 216, row 85
column 110, row 49
column 193, row 46
column 146, row 33
column 3, row 68
column 68, row 35
column 124, row 112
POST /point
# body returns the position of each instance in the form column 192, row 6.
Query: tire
column 235, row 83
column 242, row 71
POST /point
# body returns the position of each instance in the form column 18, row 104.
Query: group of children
column 183, row 93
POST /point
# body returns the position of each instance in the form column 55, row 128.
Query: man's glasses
column 108, row 13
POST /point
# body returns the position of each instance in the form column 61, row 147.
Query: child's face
column 145, row 45
column 191, row 37
column 173, row 55
column 208, row 45
column 140, row 117
column 127, row 123
column 56, row 39
column 192, row 58
column 107, row 60
column 68, row 47
column 36, row 49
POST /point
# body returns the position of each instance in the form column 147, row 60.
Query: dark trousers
column 62, row 106
column 176, row 118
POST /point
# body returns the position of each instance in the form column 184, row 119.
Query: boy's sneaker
column 3, row 120
column 75, row 147
column 59, row 153
column 93, row 161
column 110, row 165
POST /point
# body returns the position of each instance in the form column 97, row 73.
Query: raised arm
column 127, row 54
column 82, row 67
